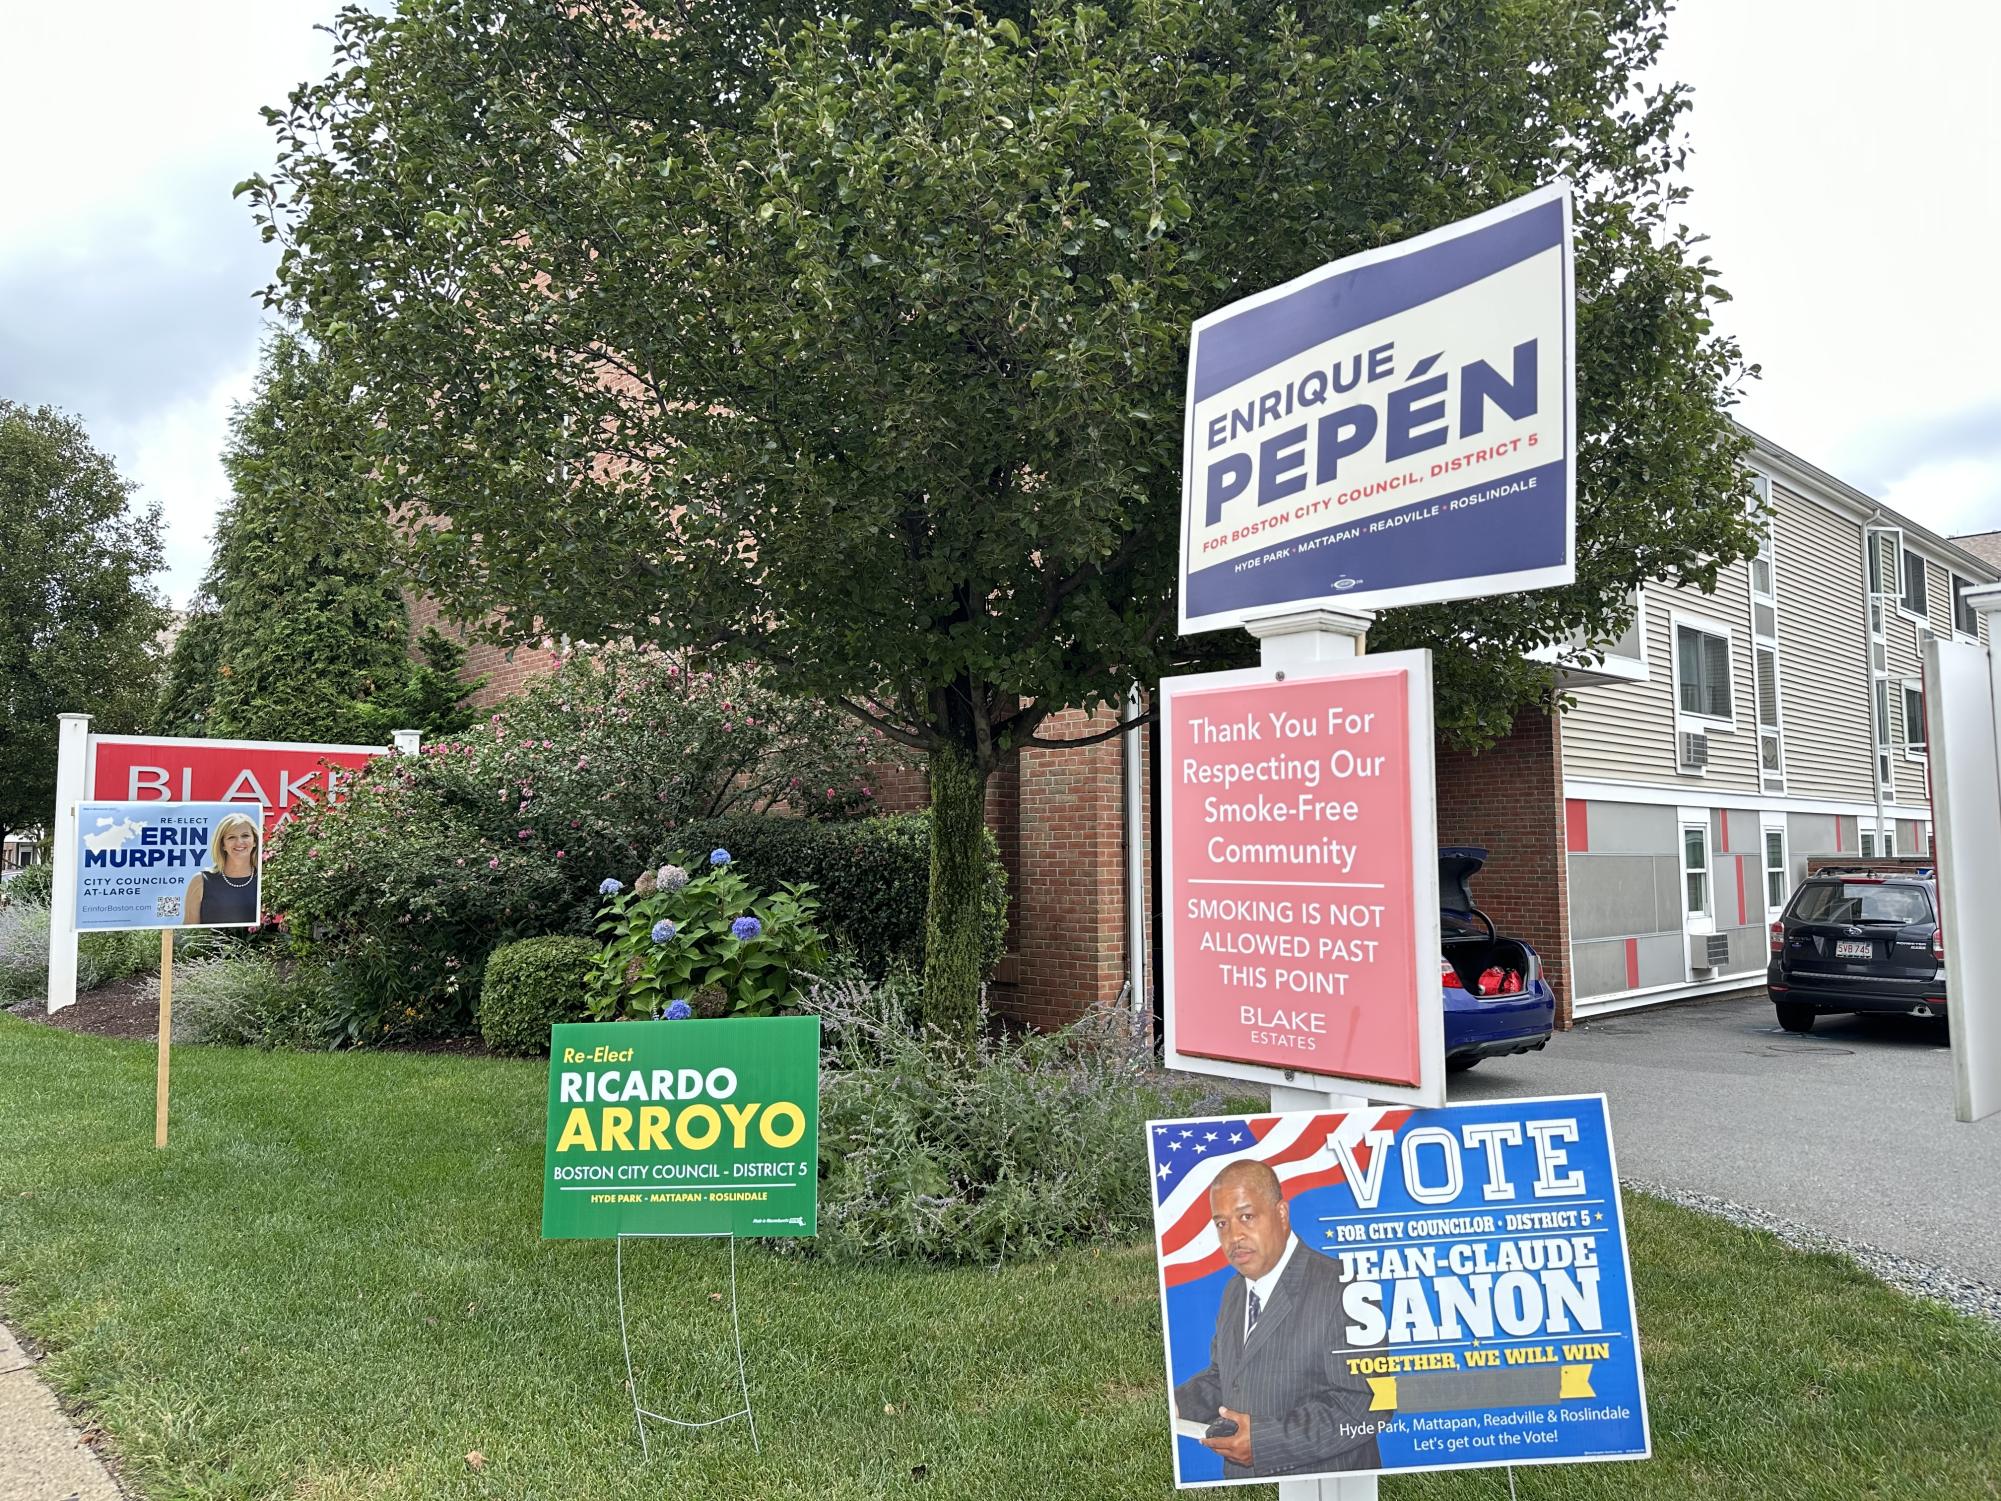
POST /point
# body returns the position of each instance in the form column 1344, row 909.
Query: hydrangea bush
column 676, row 945
column 429, row 863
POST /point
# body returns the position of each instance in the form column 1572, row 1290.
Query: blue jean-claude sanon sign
column 1434, row 1289
column 1394, row 428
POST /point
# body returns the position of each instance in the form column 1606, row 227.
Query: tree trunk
column 952, row 918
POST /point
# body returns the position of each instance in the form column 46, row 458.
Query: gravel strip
column 1921, row 1279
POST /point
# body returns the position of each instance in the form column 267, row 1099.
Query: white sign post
column 1962, row 692
column 1394, row 428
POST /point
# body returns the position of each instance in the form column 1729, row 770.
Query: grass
column 331, row 1287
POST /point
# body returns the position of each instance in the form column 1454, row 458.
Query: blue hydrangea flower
column 662, row 931
column 671, row 877
column 610, row 886
column 719, row 857
column 677, row 1011
column 746, row 928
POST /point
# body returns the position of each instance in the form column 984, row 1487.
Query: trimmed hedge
column 530, row 986
column 872, row 875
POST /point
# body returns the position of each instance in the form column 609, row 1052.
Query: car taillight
column 1778, row 937
column 1448, row 976
column 1938, row 943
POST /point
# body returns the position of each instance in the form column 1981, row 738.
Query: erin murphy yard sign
column 1394, row 428
column 683, row 1127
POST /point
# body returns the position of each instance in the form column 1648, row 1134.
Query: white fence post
column 72, row 772
column 408, row 742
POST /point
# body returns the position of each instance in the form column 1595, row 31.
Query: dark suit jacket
column 1290, row 1377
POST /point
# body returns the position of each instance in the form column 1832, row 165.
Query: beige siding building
column 1729, row 736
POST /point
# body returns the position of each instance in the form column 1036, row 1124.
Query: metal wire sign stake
column 641, row 1414
column 682, row 1129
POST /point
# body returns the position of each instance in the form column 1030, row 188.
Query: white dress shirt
column 1266, row 1285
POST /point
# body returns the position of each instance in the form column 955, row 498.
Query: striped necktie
column 1252, row 1322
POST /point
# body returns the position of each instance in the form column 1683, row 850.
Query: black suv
column 1858, row 939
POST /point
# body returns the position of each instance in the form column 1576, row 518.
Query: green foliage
column 104, row 958
column 531, row 986
column 250, row 997
column 431, row 862
column 872, row 876
column 80, row 618
column 868, row 343
column 35, row 884
column 710, row 940
column 1008, row 1151
column 24, row 951
column 301, row 632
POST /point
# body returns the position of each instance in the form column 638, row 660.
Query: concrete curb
column 43, row 1456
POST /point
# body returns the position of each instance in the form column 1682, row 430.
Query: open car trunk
column 1470, row 956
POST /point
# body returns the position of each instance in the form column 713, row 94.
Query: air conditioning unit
column 1694, row 750
column 1709, row 950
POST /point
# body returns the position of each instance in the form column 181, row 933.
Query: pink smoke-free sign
column 1292, row 885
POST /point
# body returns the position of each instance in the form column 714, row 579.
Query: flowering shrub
column 708, row 944
column 872, row 875
column 429, row 863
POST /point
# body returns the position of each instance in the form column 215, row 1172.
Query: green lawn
column 331, row 1287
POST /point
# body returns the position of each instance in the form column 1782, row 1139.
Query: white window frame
column 1686, row 719
column 1958, row 583
column 1768, row 825
column 1920, row 751
column 1698, row 819
column 1905, row 554
column 1868, row 842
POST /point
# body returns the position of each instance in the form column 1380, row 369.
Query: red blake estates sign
column 277, row 774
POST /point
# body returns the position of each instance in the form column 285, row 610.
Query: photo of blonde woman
column 225, row 894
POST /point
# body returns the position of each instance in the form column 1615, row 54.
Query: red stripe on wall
column 1576, row 829
column 1632, row 964
column 1837, row 834
column 1742, row 861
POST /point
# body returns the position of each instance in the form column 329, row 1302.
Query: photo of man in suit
column 1276, row 1366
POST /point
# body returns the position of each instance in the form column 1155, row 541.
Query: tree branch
column 1124, row 726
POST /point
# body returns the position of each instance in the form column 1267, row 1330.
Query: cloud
column 153, row 301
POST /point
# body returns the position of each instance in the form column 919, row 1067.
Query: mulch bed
column 131, row 1009
column 124, row 1008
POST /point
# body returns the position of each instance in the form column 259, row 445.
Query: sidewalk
column 41, row 1456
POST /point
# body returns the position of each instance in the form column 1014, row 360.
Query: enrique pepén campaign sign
column 1394, row 428
column 683, row 1127
column 1391, row 1289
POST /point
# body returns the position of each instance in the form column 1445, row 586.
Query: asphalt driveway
column 1847, row 1130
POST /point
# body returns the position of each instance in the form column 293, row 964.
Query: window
column 1761, row 515
column 1868, row 845
column 1775, row 869
column 1695, row 867
column 1860, row 902
column 1965, row 619
column 1702, row 671
column 1914, row 716
column 1914, row 584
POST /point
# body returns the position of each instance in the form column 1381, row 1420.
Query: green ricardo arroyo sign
column 683, row 1127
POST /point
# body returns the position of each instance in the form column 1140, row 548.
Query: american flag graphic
column 1187, row 1156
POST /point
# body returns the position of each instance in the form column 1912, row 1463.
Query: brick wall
column 1510, row 799
column 506, row 670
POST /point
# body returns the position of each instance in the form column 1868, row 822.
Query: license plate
column 1850, row 949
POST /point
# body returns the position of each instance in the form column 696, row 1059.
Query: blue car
column 1477, row 958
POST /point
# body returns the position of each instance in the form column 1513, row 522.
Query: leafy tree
column 75, row 557
column 863, row 350
column 301, row 631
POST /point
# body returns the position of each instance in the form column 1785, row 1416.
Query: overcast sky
column 1844, row 168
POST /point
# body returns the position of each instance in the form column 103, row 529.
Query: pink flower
column 521, row 834
column 461, row 860
column 559, row 854
column 830, row 792
column 493, row 864
column 313, row 853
